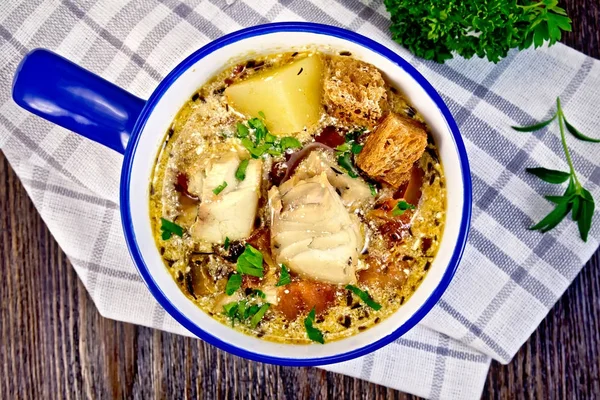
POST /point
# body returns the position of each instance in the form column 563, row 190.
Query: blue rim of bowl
column 322, row 30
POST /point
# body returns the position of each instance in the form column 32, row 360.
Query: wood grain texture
column 54, row 344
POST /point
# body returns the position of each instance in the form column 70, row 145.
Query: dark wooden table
column 54, row 344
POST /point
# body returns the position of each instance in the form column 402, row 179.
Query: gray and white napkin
column 509, row 277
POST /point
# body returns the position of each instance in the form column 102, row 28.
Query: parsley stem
column 561, row 119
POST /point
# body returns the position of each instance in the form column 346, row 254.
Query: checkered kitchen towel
column 509, row 277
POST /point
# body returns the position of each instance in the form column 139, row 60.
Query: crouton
column 392, row 149
column 354, row 92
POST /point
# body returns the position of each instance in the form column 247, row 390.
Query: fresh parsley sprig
column 434, row 30
column 576, row 199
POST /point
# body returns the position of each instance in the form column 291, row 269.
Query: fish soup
column 298, row 197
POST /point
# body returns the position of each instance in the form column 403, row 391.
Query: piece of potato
column 289, row 96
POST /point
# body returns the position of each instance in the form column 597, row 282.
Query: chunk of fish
column 231, row 212
column 353, row 191
column 312, row 233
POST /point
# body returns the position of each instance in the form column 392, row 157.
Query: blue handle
column 54, row 88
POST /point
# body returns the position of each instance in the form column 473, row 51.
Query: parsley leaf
column 220, row 188
column 356, row 148
column 289, row 142
column 242, row 130
column 364, row 296
column 346, row 163
column 401, row 207
column 231, row 311
column 250, row 262
column 233, row 284
column 258, row 293
column 313, row 333
column 284, row 277
column 260, row 130
column 227, row 242
column 169, row 228
column 240, row 173
column 373, row 189
column 259, row 315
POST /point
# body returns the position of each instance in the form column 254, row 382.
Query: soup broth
column 298, row 197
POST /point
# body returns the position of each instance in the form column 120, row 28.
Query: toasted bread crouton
column 354, row 92
column 392, row 149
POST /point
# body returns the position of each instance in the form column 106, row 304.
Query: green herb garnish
column 356, row 148
column 220, row 188
column 169, row 228
column 227, row 242
column 250, row 311
column 258, row 293
column 345, row 162
column 313, row 333
column 233, row 284
column 576, row 198
column 401, row 207
column 270, row 138
column 231, row 311
column 259, row 315
column 242, row 130
column 284, row 276
column 240, row 173
column 365, row 297
column 262, row 115
column 343, row 148
column 434, row 30
column 250, row 262
column 373, row 189
column 289, row 142
column 260, row 130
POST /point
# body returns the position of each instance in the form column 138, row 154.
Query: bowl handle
column 62, row 92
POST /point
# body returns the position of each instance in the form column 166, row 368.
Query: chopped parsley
column 345, row 152
column 242, row 312
column 262, row 115
column 313, row 333
column 250, row 262
column 346, row 163
column 227, row 243
column 284, row 277
column 364, row 296
column 242, row 130
column 231, row 310
column 169, row 228
column 220, row 188
column 356, row 148
column 240, row 173
column 233, row 284
column 401, row 207
column 259, row 315
column 289, row 142
column 260, row 130
column 264, row 141
column 373, row 189
column 258, row 293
